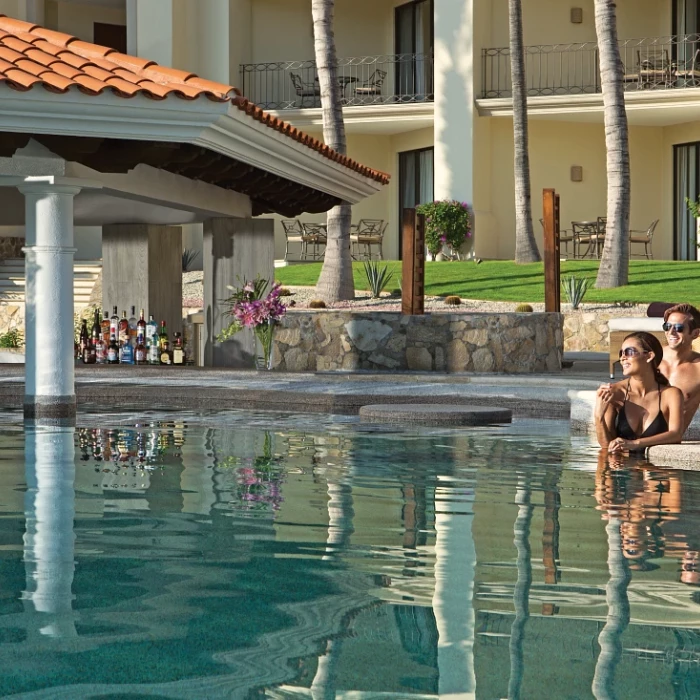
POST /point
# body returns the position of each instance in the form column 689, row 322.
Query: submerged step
column 435, row 414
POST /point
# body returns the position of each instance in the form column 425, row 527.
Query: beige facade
column 463, row 112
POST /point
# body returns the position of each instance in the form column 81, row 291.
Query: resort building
column 428, row 98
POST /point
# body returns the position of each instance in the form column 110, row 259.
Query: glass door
column 413, row 43
column 686, row 184
column 686, row 27
column 415, row 181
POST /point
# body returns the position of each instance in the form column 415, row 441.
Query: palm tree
column 525, row 246
column 614, row 263
column 335, row 282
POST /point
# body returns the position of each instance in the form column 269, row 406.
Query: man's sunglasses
column 678, row 327
column 630, row 352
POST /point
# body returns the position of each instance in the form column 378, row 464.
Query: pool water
column 243, row 555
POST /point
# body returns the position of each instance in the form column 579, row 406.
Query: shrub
column 377, row 277
column 575, row 289
column 447, row 222
column 317, row 304
column 284, row 292
column 12, row 339
column 523, row 309
column 453, row 300
column 396, row 292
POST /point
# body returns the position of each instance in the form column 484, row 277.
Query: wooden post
column 552, row 276
column 413, row 265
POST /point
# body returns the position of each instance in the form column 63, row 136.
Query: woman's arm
column 606, row 402
column 672, row 406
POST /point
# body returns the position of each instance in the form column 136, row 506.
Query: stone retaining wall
column 345, row 340
column 586, row 332
column 11, row 247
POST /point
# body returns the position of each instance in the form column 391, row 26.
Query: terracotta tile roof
column 31, row 56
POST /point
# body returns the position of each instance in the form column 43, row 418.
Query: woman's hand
column 605, row 397
column 620, row 445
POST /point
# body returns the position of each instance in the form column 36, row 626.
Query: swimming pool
column 252, row 555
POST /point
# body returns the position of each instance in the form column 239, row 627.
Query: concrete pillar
column 212, row 43
column 453, row 599
column 49, row 541
column 31, row 11
column 49, row 362
column 240, row 33
column 150, row 30
column 234, row 250
column 142, row 267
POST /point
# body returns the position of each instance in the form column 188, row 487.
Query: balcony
column 656, row 63
column 364, row 81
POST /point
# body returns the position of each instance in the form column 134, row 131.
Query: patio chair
column 293, row 233
column 644, row 238
column 365, row 234
column 316, row 235
column 565, row 237
column 689, row 72
column 655, row 68
column 305, row 90
column 587, row 233
column 372, row 86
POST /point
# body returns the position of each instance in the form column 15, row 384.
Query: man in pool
column 681, row 364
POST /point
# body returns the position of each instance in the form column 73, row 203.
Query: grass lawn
column 503, row 280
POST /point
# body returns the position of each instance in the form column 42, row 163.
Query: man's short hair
column 686, row 309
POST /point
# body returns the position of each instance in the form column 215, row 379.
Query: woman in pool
column 641, row 410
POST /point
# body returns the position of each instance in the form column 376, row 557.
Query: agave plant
column 188, row 258
column 377, row 277
column 575, row 289
column 12, row 339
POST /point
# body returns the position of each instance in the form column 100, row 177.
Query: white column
column 49, row 541
column 454, row 99
column 153, row 30
column 453, row 599
column 31, row 11
column 212, row 42
column 132, row 17
column 49, row 362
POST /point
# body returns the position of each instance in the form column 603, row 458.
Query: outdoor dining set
column 366, row 237
column 587, row 239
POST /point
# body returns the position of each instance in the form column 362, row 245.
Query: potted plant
column 448, row 223
column 252, row 306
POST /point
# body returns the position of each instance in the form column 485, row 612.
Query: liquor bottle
column 114, row 324
column 89, row 354
column 84, row 340
column 140, row 353
column 123, row 336
column 106, row 331
column 153, row 354
column 178, row 350
column 100, row 352
column 126, row 353
column 165, row 355
column 132, row 327
column 141, row 330
column 163, row 335
column 96, row 331
column 151, row 328
column 113, row 351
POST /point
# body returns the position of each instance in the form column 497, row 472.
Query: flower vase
column 264, row 337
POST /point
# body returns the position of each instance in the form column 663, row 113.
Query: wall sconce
column 576, row 173
column 576, row 15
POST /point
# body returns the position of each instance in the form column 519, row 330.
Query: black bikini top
column 624, row 430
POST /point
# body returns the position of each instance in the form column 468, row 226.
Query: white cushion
column 640, row 323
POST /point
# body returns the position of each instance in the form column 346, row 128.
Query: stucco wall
column 78, row 18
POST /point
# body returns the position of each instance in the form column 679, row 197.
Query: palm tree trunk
column 614, row 263
column 525, row 245
column 335, row 282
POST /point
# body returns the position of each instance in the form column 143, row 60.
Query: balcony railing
column 363, row 80
column 656, row 63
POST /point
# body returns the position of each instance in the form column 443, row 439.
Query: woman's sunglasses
column 630, row 352
column 678, row 327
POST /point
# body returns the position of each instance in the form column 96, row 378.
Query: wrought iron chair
column 587, row 233
column 293, row 233
column 644, row 239
column 655, row 68
column 316, row 235
column 305, row 90
column 565, row 237
column 372, row 86
column 365, row 234
column 689, row 72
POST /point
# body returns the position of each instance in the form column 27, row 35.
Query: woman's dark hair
column 651, row 344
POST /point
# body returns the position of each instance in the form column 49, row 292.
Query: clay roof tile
column 21, row 79
column 56, row 38
column 132, row 63
column 82, row 48
column 46, row 59
column 161, row 74
column 13, row 26
column 210, row 86
column 91, row 85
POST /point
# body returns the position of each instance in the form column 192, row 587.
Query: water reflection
column 189, row 562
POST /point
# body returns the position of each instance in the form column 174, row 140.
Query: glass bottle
column 114, row 324
column 89, row 354
column 165, row 356
column 84, row 339
column 106, row 331
column 151, row 328
column 126, row 352
column 140, row 352
column 96, row 331
column 113, row 351
column 141, row 330
column 133, row 321
column 178, row 350
column 123, row 336
column 100, row 352
column 153, row 354
column 163, row 335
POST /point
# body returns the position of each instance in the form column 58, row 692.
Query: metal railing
column 653, row 63
column 363, row 80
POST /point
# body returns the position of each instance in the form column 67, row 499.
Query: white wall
column 78, row 18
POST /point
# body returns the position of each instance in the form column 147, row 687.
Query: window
column 686, row 183
column 686, row 26
column 112, row 35
column 413, row 43
column 415, row 181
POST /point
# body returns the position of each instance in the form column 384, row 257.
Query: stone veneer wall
column 345, row 340
column 11, row 317
column 11, row 247
column 586, row 332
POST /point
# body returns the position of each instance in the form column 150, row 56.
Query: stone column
column 453, row 599
column 142, row 267
column 49, row 541
column 49, row 345
column 234, row 250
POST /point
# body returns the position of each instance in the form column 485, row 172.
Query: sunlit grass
column 503, row 280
